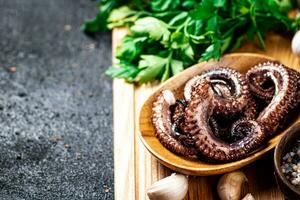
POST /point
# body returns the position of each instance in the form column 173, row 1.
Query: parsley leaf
column 167, row 36
column 153, row 28
column 204, row 10
column 151, row 67
column 163, row 5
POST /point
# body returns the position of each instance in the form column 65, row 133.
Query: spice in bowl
column 290, row 164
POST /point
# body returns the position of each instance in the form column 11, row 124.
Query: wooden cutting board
column 135, row 169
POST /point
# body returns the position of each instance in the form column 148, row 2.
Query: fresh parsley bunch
column 167, row 36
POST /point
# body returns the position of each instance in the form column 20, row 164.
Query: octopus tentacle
column 178, row 114
column 221, row 88
column 218, row 130
column 260, row 85
column 178, row 125
column 285, row 95
column 199, row 110
column 161, row 120
column 229, row 85
column 250, row 110
column 221, row 125
column 296, row 77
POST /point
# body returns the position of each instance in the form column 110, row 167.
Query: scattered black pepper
column 22, row 94
column 19, row 157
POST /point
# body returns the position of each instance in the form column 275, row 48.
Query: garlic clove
column 296, row 43
column 230, row 185
column 248, row 197
column 173, row 187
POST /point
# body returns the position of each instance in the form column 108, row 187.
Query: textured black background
column 56, row 109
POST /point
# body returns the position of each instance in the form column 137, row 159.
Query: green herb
column 167, row 36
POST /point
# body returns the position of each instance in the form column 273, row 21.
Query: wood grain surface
column 136, row 169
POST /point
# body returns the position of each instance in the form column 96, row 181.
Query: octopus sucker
column 226, row 115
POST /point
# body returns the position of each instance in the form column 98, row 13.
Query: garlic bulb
column 296, row 43
column 173, row 187
column 248, row 197
column 230, row 185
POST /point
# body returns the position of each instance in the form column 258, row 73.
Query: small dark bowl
column 284, row 145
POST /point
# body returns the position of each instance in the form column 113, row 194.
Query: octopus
column 226, row 115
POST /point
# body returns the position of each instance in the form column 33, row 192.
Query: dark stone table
column 55, row 103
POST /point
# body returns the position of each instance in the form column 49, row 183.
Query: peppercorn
column 290, row 165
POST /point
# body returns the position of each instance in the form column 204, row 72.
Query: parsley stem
column 258, row 33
